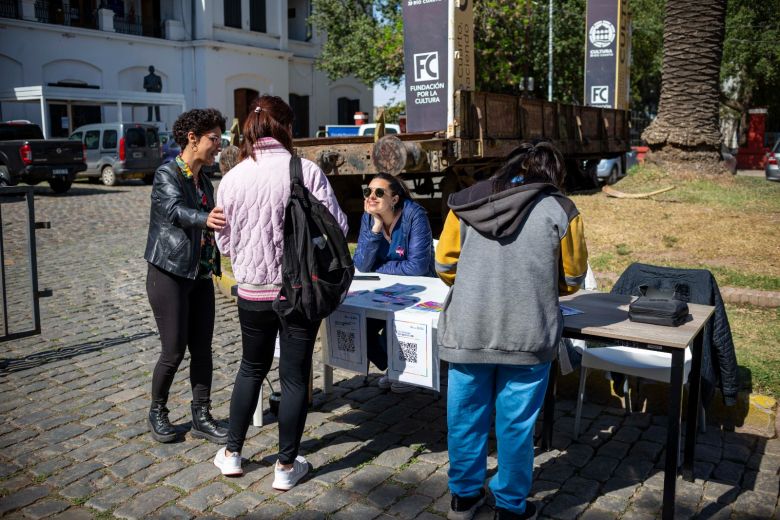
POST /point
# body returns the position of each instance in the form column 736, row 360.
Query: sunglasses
column 379, row 192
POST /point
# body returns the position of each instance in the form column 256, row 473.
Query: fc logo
column 426, row 66
column 599, row 95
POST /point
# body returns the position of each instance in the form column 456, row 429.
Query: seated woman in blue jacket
column 395, row 238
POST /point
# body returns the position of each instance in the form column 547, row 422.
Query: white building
column 87, row 60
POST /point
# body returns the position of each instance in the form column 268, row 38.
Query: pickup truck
column 25, row 156
column 358, row 130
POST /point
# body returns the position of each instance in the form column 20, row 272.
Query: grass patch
column 726, row 224
column 226, row 266
column 756, row 333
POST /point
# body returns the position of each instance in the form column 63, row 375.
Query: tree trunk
column 687, row 125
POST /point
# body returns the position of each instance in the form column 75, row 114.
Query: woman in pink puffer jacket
column 254, row 195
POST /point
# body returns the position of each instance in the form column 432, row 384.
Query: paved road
column 73, row 442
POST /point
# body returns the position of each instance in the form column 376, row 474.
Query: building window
column 257, row 15
column 300, row 108
column 298, row 26
column 346, row 110
column 109, row 139
column 233, row 13
column 150, row 18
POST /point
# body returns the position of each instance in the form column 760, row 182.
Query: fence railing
column 9, row 9
column 57, row 13
column 127, row 26
column 19, row 310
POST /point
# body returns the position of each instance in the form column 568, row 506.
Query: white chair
column 636, row 362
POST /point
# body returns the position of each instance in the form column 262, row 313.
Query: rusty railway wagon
column 485, row 128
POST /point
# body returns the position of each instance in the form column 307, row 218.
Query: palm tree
column 687, row 126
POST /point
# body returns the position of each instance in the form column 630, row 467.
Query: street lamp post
column 550, row 51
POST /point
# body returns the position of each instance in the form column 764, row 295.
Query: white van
column 369, row 128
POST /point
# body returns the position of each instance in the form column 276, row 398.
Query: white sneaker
column 401, row 388
column 286, row 479
column 384, row 382
column 228, row 465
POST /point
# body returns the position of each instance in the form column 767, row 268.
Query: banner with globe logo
column 606, row 54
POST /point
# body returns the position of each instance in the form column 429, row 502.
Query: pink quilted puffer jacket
column 253, row 195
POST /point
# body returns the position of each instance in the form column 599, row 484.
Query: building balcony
column 9, row 9
column 83, row 14
column 64, row 13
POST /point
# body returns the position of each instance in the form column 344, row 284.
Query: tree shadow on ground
column 617, row 462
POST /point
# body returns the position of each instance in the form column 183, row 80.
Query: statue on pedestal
column 153, row 83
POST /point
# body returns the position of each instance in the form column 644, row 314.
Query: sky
column 382, row 95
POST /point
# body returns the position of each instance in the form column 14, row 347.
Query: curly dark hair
column 199, row 121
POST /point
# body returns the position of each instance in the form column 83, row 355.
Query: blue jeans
column 517, row 393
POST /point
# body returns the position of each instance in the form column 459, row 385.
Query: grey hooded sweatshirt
column 503, row 307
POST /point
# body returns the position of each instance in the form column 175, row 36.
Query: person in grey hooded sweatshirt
column 510, row 246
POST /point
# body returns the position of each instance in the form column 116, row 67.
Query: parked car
column 358, row 130
column 25, row 156
column 610, row 170
column 170, row 148
column 771, row 168
column 119, row 151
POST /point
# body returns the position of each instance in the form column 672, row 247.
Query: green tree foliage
column 393, row 112
column 647, row 41
column 364, row 39
column 503, row 52
column 511, row 43
column 750, row 71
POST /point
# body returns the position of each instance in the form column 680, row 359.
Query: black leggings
column 184, row 311
column 258, row 339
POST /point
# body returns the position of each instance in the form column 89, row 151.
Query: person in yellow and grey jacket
column 510, row 246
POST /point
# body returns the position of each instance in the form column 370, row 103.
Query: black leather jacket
column 176, row 222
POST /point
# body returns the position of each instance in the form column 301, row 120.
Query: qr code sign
column 345, row 341
column 408, row 352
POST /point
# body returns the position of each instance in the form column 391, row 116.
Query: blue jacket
column 410, row 251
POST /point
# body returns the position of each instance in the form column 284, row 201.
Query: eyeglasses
column 379, row 192
column 214, row 139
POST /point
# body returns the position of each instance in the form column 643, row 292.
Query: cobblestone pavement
column 75, row 445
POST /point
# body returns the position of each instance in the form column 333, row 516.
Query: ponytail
column 269, row 116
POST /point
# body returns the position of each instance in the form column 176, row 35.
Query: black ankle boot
column 204, row 425
column 161, row 427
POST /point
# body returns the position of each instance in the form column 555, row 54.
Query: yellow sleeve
column 448, row 249
column 574, row 258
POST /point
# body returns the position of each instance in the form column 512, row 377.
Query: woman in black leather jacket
column 182, row 256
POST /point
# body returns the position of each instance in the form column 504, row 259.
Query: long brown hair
column 269, row 116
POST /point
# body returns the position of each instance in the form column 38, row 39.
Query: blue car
column 169, row 147
column 610, row 170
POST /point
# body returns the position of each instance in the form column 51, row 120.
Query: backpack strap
column 296, row 170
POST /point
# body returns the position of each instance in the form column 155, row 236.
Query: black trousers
column 258, row 339
column 184, row 311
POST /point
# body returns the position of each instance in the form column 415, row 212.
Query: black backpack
column 317, row 268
